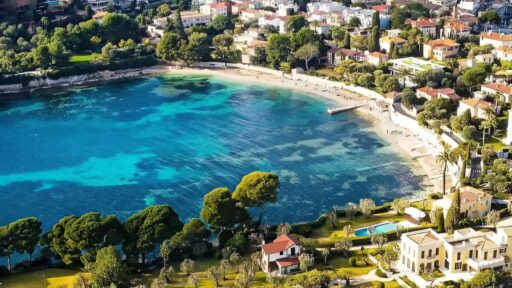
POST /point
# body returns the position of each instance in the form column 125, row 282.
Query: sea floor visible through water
column 117, row 148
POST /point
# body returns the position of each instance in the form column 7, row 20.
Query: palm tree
column 490, row 116
column 402, row 73
column 484, row 126
column 446, row 157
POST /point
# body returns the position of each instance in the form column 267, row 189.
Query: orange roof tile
column 502, row 88
column 496, row 36
column 443, row 43
column 281, row 243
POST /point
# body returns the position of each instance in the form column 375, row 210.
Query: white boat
column 337, row 110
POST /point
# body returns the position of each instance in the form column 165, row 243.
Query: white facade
column 325, row 6
column 284, row 8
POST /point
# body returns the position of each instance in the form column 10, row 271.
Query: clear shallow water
column 377, row 229
column 117, row 148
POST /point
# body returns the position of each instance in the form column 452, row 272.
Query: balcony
column 478, row 265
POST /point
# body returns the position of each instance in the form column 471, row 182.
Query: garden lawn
column 341, row 264
column 80, row 58
column 328, row 235
column 49, row 278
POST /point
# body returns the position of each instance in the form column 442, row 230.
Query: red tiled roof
column 422, row 23
column 281, row 243
column 285, row 262
column 505, row 89
column 443, row 42
column 496, row 36
column 381, row 8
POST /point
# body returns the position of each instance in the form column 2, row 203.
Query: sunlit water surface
column 117, row 148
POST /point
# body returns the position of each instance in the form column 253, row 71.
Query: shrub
column 381, row 274
column 352, row 261
column 379, row 284
column 435, row 196
column 238, row 242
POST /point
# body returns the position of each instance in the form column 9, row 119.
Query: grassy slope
column 49, row 278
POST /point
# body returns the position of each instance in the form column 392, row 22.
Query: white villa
column 465, row 251
column 282, row 255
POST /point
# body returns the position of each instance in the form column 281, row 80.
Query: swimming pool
column 377, row 229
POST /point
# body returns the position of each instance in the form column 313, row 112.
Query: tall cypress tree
column 373, row 42
column 453, row 215
column 376, row 19
column 178, row 24
column 346, row 40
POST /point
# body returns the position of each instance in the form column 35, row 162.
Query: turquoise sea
column 116, row 148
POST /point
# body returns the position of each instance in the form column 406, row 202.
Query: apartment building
column 466, row 250
column 440, row 49
column 412, row 66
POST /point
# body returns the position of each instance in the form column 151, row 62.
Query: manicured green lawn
column 328, row 235
column 49, row 278
column 341, row 264
column 80, row 58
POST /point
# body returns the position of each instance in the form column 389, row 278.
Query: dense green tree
column 346, row 40
column 163, row 10
column 476, row 75
column 295, row 23
column 440, row 220
column 117, row 26
column 223, row 44
column 397, row 19
column 148, row 228
column 306, row 36
column 453, row 214
column 490, row 16
column 376, row 19
column 24, row 235
column 468, row 132
column 221, row 23
column 88, row 12
column 196, row 48
column 178, row 24
column 279, row 48
column 7, row 246
column 108, row 269
column 257, row 188
column 306, row 53
column 76, row 238
column 41, row 57
column 373, row 41
column 168, row 48
column 193, row 232
column 220, row 210
column 354, row 21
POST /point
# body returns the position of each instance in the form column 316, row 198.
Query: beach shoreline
column 400, row 140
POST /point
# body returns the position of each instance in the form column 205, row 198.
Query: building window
column 446, row 264
column 429, row 252
column 281, row 253
column 485, row 255
column 470, row 253
column 458, row 256
column 422, row 254
column 458, row 266
column 437, row 251
column 495, row 253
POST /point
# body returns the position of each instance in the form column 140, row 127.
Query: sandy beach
column 400, row 139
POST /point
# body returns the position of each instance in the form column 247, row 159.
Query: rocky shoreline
column 43, row 83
